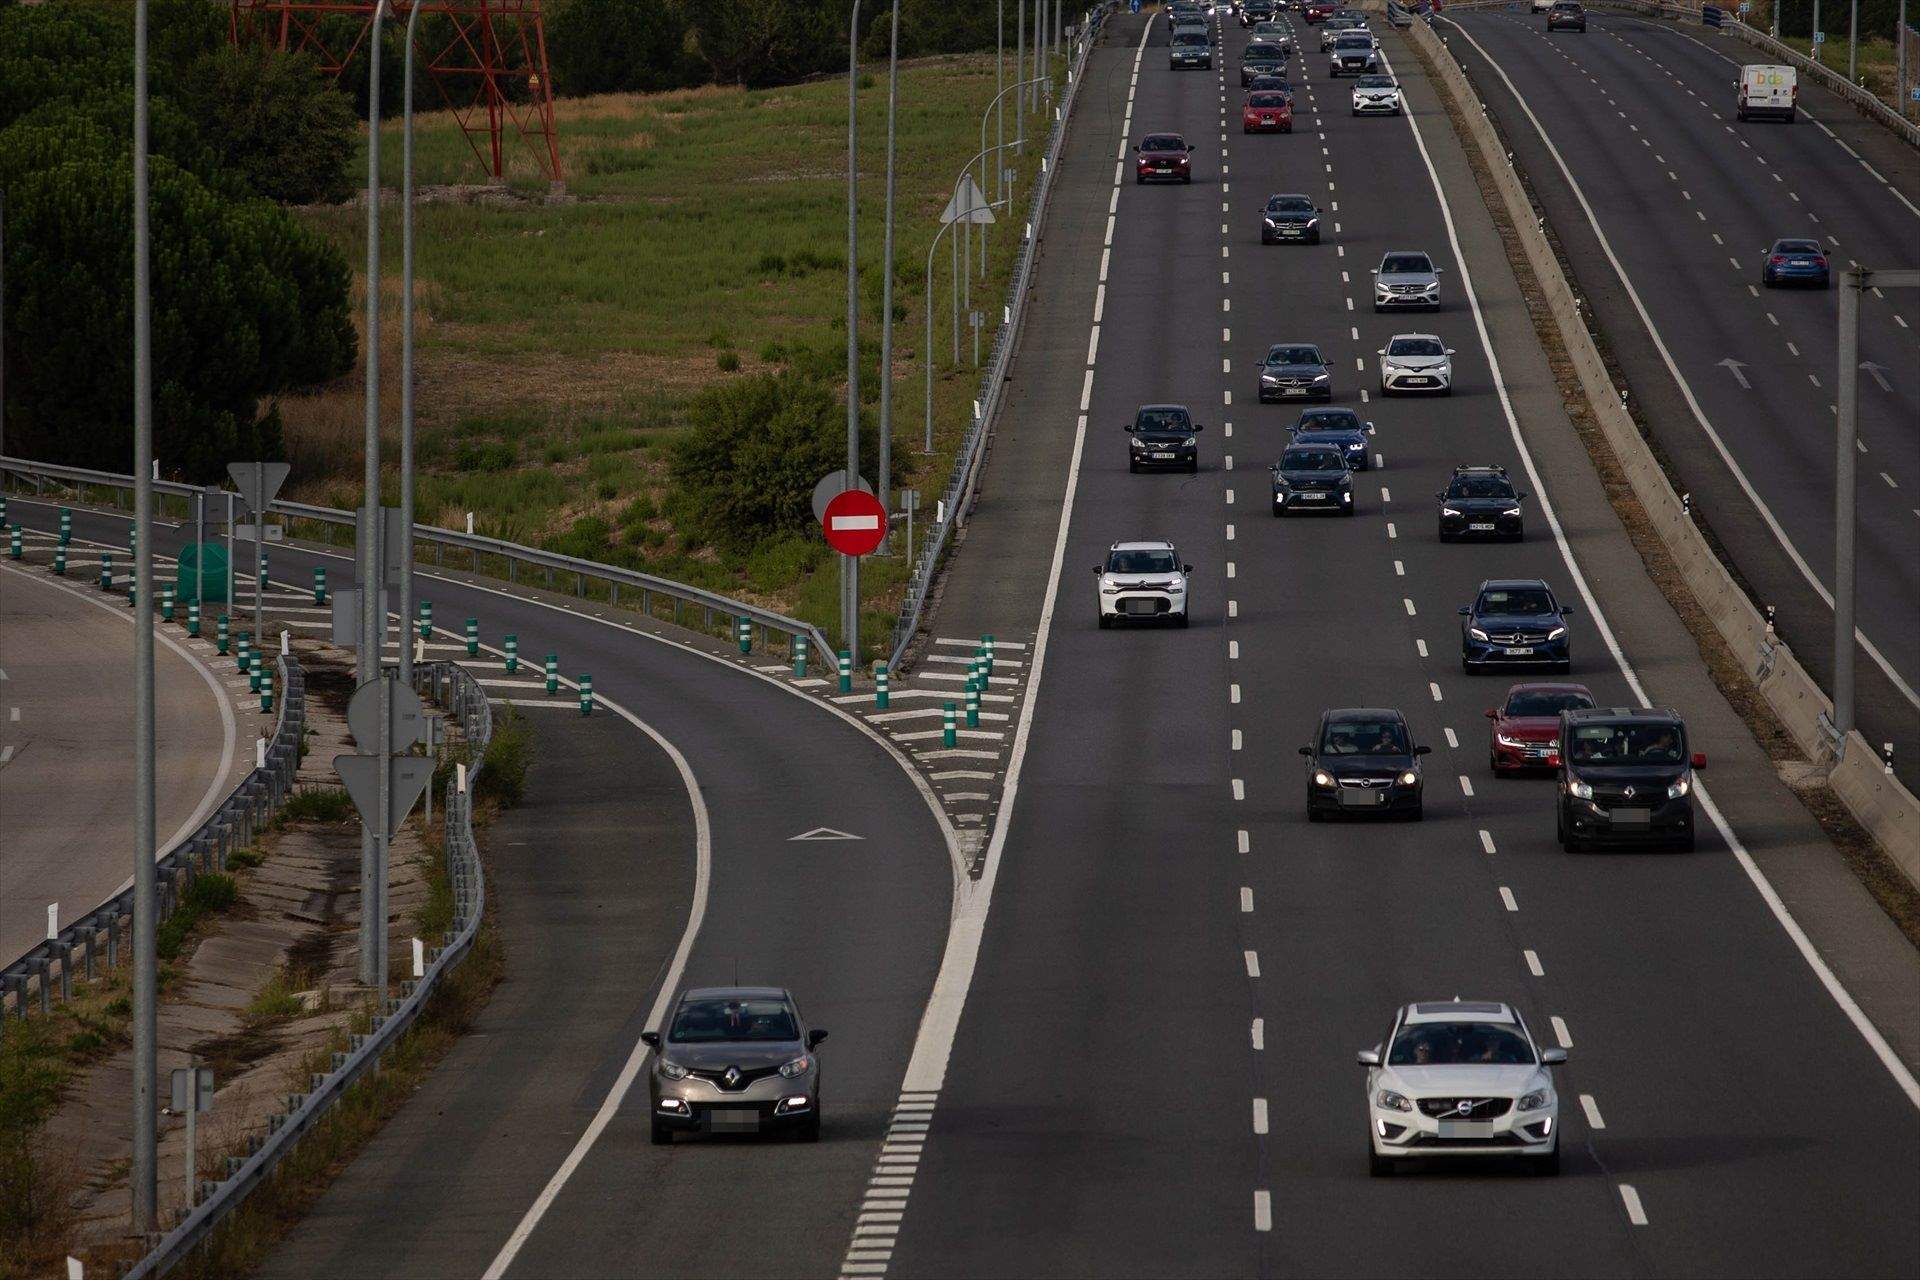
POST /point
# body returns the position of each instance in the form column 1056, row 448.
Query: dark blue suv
column 1340, row 428
column 1515, row 622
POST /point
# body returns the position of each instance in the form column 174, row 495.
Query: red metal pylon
column 488, row 59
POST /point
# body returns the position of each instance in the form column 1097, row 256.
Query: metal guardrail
column 453, row 687
column 520, row 563
column 48, row 969
column 966, row 471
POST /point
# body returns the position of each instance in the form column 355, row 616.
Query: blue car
column 1339, row 428
column 1795, row 262
column 1515, row 622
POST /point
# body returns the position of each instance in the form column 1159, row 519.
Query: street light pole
column 406, row 361
column 372, row 873
column 927, row 353
column 885, row 477
column 1853, row 42
column 1843, row 512
column 850, row 565
column 1020, row 70
column 144, row 1176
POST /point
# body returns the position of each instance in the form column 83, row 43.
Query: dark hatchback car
column 1311, row 478
column 1626, row 778
column 1514, row 622
column 1271, row 84
column 1256, row 11
column 1295, row 371
column 735, row 1060
column 1363, row 761
column 1567, row 15
column 1796, row 262
column 1162, row 436
column 1292, row 217
column 1261, row 59
column 1524, row 731
column 1339, row 429
column 1481, row 502
column 1163, row 157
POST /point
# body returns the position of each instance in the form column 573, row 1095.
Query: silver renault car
column 735, row 1060
column 1461, row 1078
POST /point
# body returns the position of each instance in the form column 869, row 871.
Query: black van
column 1626, row 778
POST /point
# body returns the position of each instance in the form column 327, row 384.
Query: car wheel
column 1740, row 115
column 1347, row 510
column 1313, row 814
column 1133, row 468
column 1560, row 825
column 1139, row 181
column 1287, row 129
column 662, row 1136
column 1447, row 390
column 1445, row 536
column 1316, row 238
column 1378, row 1166
column 1546, row 1166
column 1466, row 668
column 1792, row 116
column 1377, row 308
column 1493, row 763
column 809, row 1130
column 1180, row 620
column 1106, row 623
column 1187, row 179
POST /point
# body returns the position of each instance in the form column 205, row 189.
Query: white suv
column 1416, row 362
column 1142, row 582
column 1461, row 1078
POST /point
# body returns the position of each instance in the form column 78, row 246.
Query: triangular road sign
column 823, row 833
column 969, row 203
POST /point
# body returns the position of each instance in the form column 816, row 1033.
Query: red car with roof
column 1525, row 733
column 1318, row 13
column 1266, row 112
column 1163, row 157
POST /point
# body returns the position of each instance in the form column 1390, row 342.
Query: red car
column 1318, row 13
column 1526, row 728
column 1164, row 157
column 1266, row 112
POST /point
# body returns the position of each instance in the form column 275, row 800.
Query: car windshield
column 1355, row 40
column 1450, row 1044
column 1480, row 487
column 1540, row 702
column 1374, row 82
column 1137, row 561
column 1262, row 53
column 1405, row 264
column 1364, row 738
column 1190, row 37
column 1294, row 355
column 1796, row 246
column 1164, row 142
column 1416, row 347
column 1330, row 420
column 1267, row 100
column 1162, row 420
column 1525, row 600
column 1312, row 460
column 1625, row 744
column 1289, row 204
column 1269, row 29
column 713, row 1021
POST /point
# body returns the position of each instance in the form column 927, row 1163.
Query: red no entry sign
column 855, row 523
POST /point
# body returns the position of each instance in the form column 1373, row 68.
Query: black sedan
column 1312, row 478
column 1362, row 761
column 1295, row 371
column 1481, row 502
column 1261, row 59
column 1161, row 436
column 1293, row 217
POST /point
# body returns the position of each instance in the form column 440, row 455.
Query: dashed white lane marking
column 1506, row 898
column 1534, row 966
column 1592, row 1108
column 1233, row 648
column 1259, row 1115
column 1420, row 646
column 1253, row 963
column 1434, row 688
column 1239, row 789
column 1636, row 1214
column 1263, row 1211
column 1399, row 569
column 1409, row 603
column 1889, row 480
column 1259, row 1033
column 1561, row 1033
column 1233, row 693
column 1236, row 740
column 1246, row 900
column 1447, row 729
column 1486, row 840
column 1243, row 840
column 1466, row 786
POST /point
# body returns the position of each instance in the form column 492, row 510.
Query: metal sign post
column 192, row 1094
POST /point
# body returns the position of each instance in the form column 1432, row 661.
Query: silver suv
column 1406, row 278
column 1353, row 53
column 735, row 1060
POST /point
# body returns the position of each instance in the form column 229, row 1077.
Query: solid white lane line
column 1592, row 1108
column 1636, row 1214
column 1506, row 898
column 1533, row 964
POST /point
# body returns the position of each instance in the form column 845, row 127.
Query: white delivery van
column 1767, row 93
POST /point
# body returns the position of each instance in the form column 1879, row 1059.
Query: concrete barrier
column 1875, row 797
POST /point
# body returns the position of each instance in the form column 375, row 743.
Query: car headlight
column 1270, row 222
column 1679, row 788
column 796, row 1066
column 1505, row 741
column 1269, row 377
column 1512, row 511
column 1322, row 377
column 1449, row 511
column 1388, row 1100
column 1534, row 1101
column 1477, row 634
column 1556, row 633
column 1579, row 790
column 1321, row 778
column 672, row 1070
column 1408, row 778
column 1188, row 443
column 1313, row 222
column 1110, row 588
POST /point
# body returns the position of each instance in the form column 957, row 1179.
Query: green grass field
column 559, row 343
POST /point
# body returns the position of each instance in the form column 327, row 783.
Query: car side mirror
column 1370, row 430
column 1523, row 495
column 1130, row 427
column 1374, row 272
column 1465, row 610
column 1307, row 751
column 1186, row 568
column 1423, row 751
column 1136, row 148
column 1567, row 609
column 1369, row 1057
column 650, row 1038
column 814, row 1037
column 1441, row 495
column 1450, row 351
column 1553, row 1057
column 1492, row 714
column 1380, row 351
column 1438, row 270
column 1699, row 759
column 1189, row 146
column 1199, row 426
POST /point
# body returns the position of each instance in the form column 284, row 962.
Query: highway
column 66, row 730
column 1153, row 1073
column 1737, row 380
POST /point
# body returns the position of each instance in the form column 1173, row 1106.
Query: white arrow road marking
column 1734, row 367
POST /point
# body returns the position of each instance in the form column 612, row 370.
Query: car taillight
column 1820, row 262
column 1776, row 259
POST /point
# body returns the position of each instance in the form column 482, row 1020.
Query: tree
column 763, row 42
column 273, row 121
column 618, row 46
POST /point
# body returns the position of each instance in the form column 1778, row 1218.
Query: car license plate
column 733, row 1120
column 1164, row 456
column 1465, row 1129
column 1481, row 528
column 1313, row 497
column 1293, row 391
column 1361, row 798
column 1518, row 650
column 1631, row 817
column 1415, row 382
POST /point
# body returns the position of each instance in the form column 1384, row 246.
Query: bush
column 728, row 361
column 486, row 455
column 503, row 771
column 318, row 804
column 209, row 892
column 618, row 46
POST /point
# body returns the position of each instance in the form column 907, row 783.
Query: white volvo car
column 1416, row 362
column 1142, row 582
column 1461, row 1078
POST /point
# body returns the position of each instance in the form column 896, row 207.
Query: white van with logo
column 1767, row 93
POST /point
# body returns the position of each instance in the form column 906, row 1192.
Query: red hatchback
column 1266, row 112
column 1163, row 157
column 1526, row 728
column 1318, row 13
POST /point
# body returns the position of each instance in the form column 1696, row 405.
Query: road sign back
column 408, row 778
column 855, row 523
column 407, row 724
column 258, row 482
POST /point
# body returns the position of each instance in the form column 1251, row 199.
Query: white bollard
column 419, row 958
column 259, row 753
column 469, row 522
column 286, row 644
column 53, row 921
column 460, row 778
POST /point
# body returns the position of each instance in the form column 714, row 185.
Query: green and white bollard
column 266, row 696
column 106, row 571
column 426, row 619
column 473, row 637
column 319, row 584
column 66, row 525
column 880, row 685
column 800, row 656
column 948, row 733
column 973, row 706
column 16, row 547
column 166, row 603
column 253, row 671
column 586, row 695
column 513, row 654
column 133, row 539
column 133, row 590
column 193, row 619
column 262, row 578
column 221, row 637
column 846, row 671
column 242, row 648
column 986, row 649
column 3, row 509
column 60, row 561
column 553, row 674
column 743, row 632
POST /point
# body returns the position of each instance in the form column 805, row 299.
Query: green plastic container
column 209, row 561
